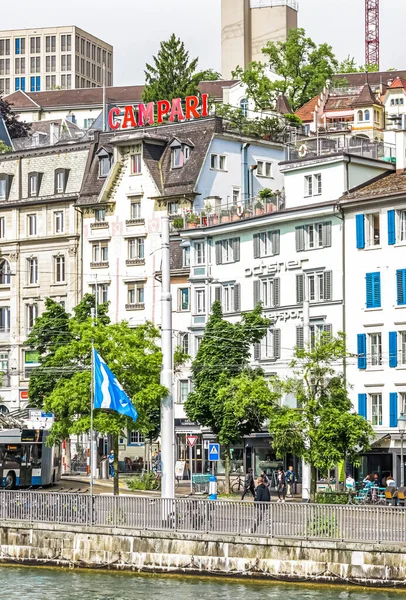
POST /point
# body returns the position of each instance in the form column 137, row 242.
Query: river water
column 43, row 584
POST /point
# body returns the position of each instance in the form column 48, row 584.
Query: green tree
column 15, row 127
column 348, row 65
column 4, row 149
column 173, row 73
column 323, row 429
column 302, row 66
column 208, row 75
column 222, row 377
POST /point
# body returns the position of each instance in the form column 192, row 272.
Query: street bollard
column 213, row 488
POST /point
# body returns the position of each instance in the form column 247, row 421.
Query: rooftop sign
column 154, row 112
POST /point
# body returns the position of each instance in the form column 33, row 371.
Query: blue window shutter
column 369, row 288
column 360, row 225
column 362, row 405
column 393, row 349
column 377, row 290
column 23, row 84
column 393, row 409
column 38, row 84
column 391, row 228
column 362, row 350
column 401, row 286
column 32, row 87
column 373, row 290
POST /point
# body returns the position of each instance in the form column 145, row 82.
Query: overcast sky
column 135, row 27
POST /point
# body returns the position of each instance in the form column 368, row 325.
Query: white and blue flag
column 108, row 392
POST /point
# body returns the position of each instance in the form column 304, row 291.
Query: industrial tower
column 372, row 32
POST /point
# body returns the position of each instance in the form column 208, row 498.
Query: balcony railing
column 323, row 146
column 135, row 306
column 99, row 225
column 340, row 126
column 131, row 222
column 131, row 262
column 99, row 265
column 229, row 213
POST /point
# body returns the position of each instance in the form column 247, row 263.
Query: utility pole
column 167, row 415
column 306, row 476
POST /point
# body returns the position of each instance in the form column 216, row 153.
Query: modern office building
column 246, row 27
column 35, row 60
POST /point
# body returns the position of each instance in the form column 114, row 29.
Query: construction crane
column 372, row 32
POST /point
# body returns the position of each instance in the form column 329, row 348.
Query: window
column 5, row 272
column 19, row 45
column 373, row 290
column 373, row 233
column 35, row 67
column 402, row 342
column 401, row 224
column 229, row 295
column 50, row 64
column 4, row 366
column 264, row 168
column 100, row 252
column 186, row 257
column 50, row 82
column 4, row 319
column 135, row 437
column 3, row 189
column 34, row 184
column 401, row 287
column 100, row 215
column 58, row 221
column 312, row 236
column 228, row 251
column 200, row 301
column 200, row 255
column 104, row 165
column 136, row 165
column 173, row 208
column 267, row 291
column 102, row 292
column 320, row 285
column 50, row 43
column 313, row 185
column 32, row 224
column 376, row 408
column 367, row 115
column 183, row 299
column 135, row 210
column 177, row 157
column 375, row 349
column 20, row 67
column 402, row 402
column 244, row 107
column 236, row 196
column 218, row 162
column 2, row 227
column 136, row 249
column 266, row 243
column 136, row 293
column 35, row 45
column 32, row 271
column 4, row 47
column 318, row 333
column 270, row 346
column 184, row 342
column 183, row 390
column 59, row 269
column 61, row 176
column 32, row 314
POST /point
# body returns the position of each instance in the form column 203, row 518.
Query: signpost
column 191, row 440
column 214, row 456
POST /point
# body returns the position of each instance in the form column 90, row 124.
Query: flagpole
column 91, row 411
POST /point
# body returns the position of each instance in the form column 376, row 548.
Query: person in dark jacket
column 281, row 485
column 249, row 484
column 262, row 491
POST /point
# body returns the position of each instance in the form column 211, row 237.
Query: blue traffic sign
column 214, row 452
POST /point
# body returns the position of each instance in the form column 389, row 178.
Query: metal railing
column 352, row 523
column 323, row 146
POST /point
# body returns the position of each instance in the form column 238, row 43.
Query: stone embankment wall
column 287, row 559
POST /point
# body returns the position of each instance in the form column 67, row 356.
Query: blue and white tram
column 26, row 460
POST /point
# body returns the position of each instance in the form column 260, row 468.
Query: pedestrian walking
column 262, row 491
column 290, row 480
column 281, row 485
column 248, row 484
column 111, row 463
column 262, row 495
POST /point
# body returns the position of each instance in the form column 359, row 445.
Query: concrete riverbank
column 202, row 554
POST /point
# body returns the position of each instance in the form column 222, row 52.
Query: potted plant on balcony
column 225, row 216
column 234, row 214
column 178, row 223
column 267, row 195
column 258, row 208
column 192, row 221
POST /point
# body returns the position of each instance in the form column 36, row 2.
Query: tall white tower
column 247, row 25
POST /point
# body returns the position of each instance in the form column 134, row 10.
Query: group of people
column 261, row 489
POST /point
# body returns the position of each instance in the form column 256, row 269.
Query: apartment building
column 43, row 59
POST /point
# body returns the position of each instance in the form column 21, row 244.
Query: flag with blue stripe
column 108, row 392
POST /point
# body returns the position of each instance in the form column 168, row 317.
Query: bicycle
column 238, row 485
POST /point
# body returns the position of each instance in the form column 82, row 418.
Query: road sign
column 214, row 452
column 191, row 440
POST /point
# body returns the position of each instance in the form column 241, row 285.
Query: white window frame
column 60, row 182
column 102, row 292
column 200, row 301
column 31, row 315
column 136, row 293
column 136, row 160
column 32, row 229
column 182, row 388
column 59, row 269
column 218, row 162
column 402, row 347
column 3, row 189
column 135, row 438
column 227, row 297
column 199, row 253
column 184, row 342
column 266, row 244
column 186, row 257
column 178, row 157
column 268, row 346
column 32, row 270
column 370, row 239
column 227, row 251
column 5, row 319
column 173, row 208
column 33, row 185
column 2, row 227
column 104, row 166
column 100, row 215
column 100, row 252
column 236, row 195
column 59, row 225
column 315, row 282
column 402, row 225
column 180, row 298
column 317, row 330
column 402, row 403
column 135, row 209
column 375, row 349
column 267, row 295
column 375, row 400
column 136, row 248
column 313, row 185
column 265, row 169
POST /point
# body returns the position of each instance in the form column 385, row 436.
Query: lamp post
column 402, row 428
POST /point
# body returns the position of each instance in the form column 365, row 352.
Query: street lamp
column 402, row 428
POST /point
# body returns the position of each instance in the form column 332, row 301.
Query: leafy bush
column 322, row 527
column 146, row 482
column 331, row 498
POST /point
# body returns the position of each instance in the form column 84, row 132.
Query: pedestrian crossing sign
column 214, row 452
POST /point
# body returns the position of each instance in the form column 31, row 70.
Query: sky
column 136, row 27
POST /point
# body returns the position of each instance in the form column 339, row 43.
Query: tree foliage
column 273, row 128
column 228, row 396
column 323, row 429
column 15, row 127
column 302, row 66
column 349, row 65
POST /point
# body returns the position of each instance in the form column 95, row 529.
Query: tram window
column 12, row 455
column 36, row 455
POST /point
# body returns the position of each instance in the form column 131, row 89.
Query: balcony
column 132, row 262
column 133, row 222
column 339, row 126
column 99, row 265
column 318, row 147
column 228, row 213
column 135, row 306
column 99, row 225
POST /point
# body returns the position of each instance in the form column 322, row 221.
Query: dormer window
column 136, row 163
column 61, row 179
column 180, row 154
column 5, row 185
column 104, row 162
column 34, row 184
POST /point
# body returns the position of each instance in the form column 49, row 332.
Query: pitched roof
column 374, row 79
column 306, row 111
column 398, row 83
column 340, row 103
column 94, row 96
column 384, row 185
column 283, row 105
column 366, row 97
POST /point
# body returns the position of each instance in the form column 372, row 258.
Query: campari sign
column 154, row 112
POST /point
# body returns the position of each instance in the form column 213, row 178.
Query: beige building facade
column 43, row 59
column 246, row 27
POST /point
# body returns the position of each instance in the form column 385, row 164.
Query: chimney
column 400, row 140
column 53, row 133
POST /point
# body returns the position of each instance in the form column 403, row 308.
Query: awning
column 379, row 442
